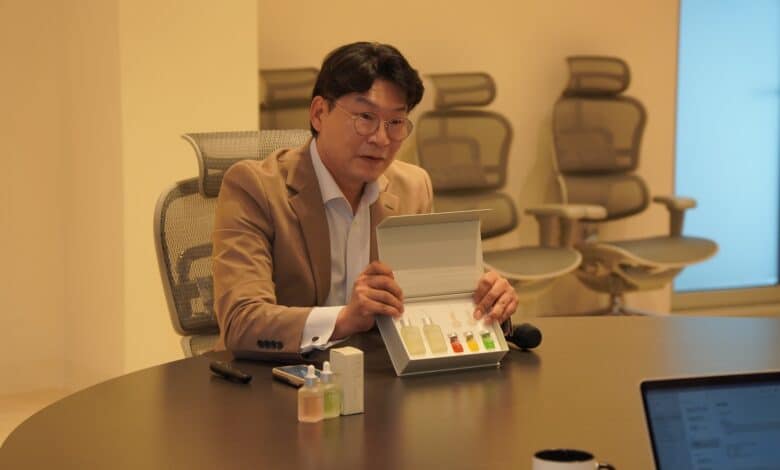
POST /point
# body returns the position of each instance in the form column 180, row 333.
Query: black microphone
column 525, row 336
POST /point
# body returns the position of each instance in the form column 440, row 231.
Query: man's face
column 351, row 158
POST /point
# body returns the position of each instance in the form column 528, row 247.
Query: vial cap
column 311, row 378
column 327, row 374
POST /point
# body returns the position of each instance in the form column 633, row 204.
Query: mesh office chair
column 286, row 97
column 465, row 150
column 597, row 133
column 184, row 220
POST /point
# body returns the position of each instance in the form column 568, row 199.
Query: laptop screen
column 724, row 422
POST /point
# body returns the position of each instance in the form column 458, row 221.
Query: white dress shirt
column 350, row 248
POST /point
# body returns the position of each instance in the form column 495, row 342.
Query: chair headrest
column 463, row 89
column 217, row 151
column 285, row 88
column 596, row 76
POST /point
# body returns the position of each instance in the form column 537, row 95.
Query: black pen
column 227, row 371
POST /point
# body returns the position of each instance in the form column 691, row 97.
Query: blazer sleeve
column 251, row 323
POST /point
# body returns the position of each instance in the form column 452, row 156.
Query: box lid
column 433, row 254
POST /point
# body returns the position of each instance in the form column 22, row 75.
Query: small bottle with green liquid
column 331, row 391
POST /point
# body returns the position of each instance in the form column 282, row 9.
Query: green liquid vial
column 331, row 392
column 487, row 340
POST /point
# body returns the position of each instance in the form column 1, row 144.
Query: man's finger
column 483, row 286
column 386, row 298
column 373, row 307
column 385, row 283
column 378, row 267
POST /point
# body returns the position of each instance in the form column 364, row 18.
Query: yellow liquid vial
column 471, row 342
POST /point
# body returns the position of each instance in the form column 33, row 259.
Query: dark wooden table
column 580, row 389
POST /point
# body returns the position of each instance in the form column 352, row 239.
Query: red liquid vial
column 454, row 343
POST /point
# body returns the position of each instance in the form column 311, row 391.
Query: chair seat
column 662, row 251
column 196, row 345
column 532, row 263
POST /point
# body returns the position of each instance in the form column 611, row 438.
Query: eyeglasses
column 367, row 123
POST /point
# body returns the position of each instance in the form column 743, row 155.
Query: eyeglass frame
column 386, row 122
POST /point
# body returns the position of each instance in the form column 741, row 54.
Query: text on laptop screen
column 711, row 426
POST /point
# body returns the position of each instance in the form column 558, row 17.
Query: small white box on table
column 347, row 364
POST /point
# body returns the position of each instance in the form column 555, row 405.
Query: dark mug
column 567, row 459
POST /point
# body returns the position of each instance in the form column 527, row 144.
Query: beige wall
column 523, row 45
column 185, row 67
column 96, row 98
column 94, row 307
column 32, row 290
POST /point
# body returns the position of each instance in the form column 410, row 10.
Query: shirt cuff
column 319, row 327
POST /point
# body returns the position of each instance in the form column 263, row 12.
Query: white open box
column 437, row 261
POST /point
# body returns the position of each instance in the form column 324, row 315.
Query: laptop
column 727, row 422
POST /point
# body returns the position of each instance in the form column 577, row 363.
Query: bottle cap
column 469, row 335
column 453, row 336
column 311, row 378
column 406, row 322
column 326, row 375
column 483, row 332
column 427, row 320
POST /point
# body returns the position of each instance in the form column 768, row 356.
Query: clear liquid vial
column 434, row 336
column 412, row 338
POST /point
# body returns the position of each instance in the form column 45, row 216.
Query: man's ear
column 317, row 108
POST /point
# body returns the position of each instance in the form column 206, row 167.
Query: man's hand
column 495, row 298
column 375, row 292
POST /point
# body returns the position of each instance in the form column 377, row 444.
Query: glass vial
column 331, row 392
column 487, row 340
column 310, row 399
column 471, row 342
column 454, row 343
column 434, row 336
column 412, row 338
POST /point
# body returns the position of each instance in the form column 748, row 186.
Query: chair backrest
column 465, row 149
column 597, row 134
column 184, row 220
column 286, row 97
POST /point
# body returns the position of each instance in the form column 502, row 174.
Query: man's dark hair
column 354, row 67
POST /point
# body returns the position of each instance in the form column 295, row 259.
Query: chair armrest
column 558, row 222
column 676, row 202
column 676, row 206
column 569, row 211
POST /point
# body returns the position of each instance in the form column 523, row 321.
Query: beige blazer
column 271, row 254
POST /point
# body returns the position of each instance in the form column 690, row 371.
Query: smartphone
column 292, row 375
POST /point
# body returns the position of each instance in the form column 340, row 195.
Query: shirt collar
column 328, row 187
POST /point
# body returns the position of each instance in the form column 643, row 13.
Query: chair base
column 617, row 306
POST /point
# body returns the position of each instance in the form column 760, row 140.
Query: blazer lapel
column 385, row 206
column 307, row 204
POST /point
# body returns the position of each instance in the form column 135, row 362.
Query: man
column 294, row 257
